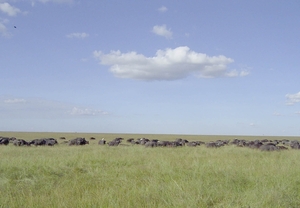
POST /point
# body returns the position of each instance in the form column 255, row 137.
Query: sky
column 156, row 67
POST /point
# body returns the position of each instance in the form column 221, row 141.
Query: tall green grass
column 135, row 176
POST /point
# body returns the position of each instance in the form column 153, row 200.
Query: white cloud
column 56, row 1
column 163, row 9
column 236, row 73
column 8, row 9
column 162, row 30
column 3, row 29
column 15, row 100
column 77, row 35
column 292, row 98
column 168, row 64
column 86, row 112
column 277, row 114
column 244, row 73
column 52, row 1
column 41, row 108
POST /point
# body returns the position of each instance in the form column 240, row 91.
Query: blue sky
column 163, row 67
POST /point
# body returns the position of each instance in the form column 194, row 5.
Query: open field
column 135, row 176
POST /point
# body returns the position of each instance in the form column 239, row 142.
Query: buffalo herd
column 263, row 145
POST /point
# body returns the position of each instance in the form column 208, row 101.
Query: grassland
column 135, row 176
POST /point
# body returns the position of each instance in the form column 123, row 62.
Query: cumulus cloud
column 292, row 98
column 77, row 35
column 168, row 64
column 163, row 9
column 162, row 30
column 8, row 9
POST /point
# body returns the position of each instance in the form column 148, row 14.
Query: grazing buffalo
column 192, row 144
column 130, row 140
column 134, row 142
column 254, row 144
column 200, row 142
column 175, row 144
column 163, row 143
column 38, row 142
column 115, row 142
column 143, row 141
column 268, row 147
column 295, row 144
column 221, row 143
column 78, row 141
column 4, row 140
column 182, row 141
column 151, row 144
column 20, row 142
column 211, row 144
column 43, row 142
column 102, row 142
column 282, row 148
column 51, row 142
column 285, row 142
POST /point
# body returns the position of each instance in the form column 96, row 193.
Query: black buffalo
column 43, row 142
column 4, row 140
column 20, row 142
column 115, row 142
column 78, row 141
column 151, row 144
column 268, row 147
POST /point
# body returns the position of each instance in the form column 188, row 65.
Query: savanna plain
column 134, row 176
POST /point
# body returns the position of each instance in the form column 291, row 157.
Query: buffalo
column 115, row 142
column 4, row 140
column 102, row 142
column 78, row 141
column 130, row 140
column 151, row 144
column 211, row 145
column 20, row 142
column 192, row 144
column 43, row 142
column 268, row 147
